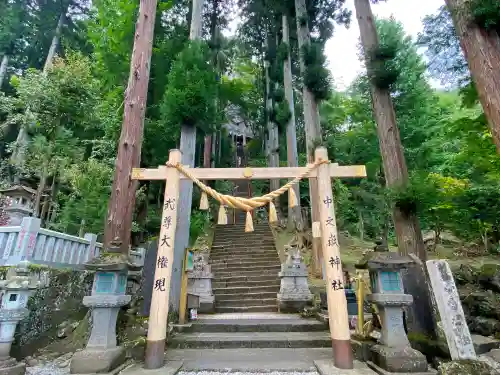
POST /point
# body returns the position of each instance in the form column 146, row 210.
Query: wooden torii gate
column 327, row 230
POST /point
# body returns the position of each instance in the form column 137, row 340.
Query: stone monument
column 16, row 290
column 200, row 281
column 393, row 354
column 294, row 292
column 450, row 309
column 102, row 354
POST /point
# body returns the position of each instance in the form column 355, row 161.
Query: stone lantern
column 393, row 353
column 200, row 281
column 16, row 290
column 102, row 354
column 294, row 292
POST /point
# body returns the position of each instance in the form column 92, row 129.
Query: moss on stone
column 464, row 367
column 426, row 345
column 489, row 270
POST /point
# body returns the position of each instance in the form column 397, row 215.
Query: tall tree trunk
column 48, row 202
column 407, row 227
column 312, row 127
column 294, row 213
column 207, row 148
column 188, row 148
column 39, row 192
column 271, row 144
column 122, row 201
column 3, row 68
column 207, row 151
column 55, row 41
column 482, row 51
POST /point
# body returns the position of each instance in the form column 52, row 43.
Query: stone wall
column 53, row 307
column 479, row 289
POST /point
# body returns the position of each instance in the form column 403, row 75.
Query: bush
column 486, row 14
column 192, row 84
column 316, row 76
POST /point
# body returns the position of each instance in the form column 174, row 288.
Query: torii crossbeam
column 326, row 229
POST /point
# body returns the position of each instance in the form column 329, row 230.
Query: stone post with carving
column 200, row 281
column 102, row 354
column 294, row 292
column 16, row 290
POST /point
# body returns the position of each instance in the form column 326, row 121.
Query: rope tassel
column 222, row 220
column 292, row 198
column 204, row 201
column 249, row 222
column 273, row 215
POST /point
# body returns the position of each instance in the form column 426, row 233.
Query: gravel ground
column 247, row 373
column 48, row 369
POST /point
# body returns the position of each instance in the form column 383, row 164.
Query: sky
column 346, row 67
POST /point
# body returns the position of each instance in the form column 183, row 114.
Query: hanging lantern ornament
column 273, row 215
column 222, row 220
column 292, row 198
column 249, row 222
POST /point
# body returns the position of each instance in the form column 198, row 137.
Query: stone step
column 271, row 257
column 247, row 244
column 235, row 227
column 235, row 244
column 237, row 262
column 246, row 296
column 225, row 274
column 246, row 309
column 242, row 302
column 257, row 325
column 230, row 340
column 220, row 292
column 250, row 236
column 268, row 267
column 257, row 282
column 249, row 360
column 241, row 251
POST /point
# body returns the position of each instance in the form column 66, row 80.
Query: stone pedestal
column 393, row 354
column 294, row 292
column 101, row 354
column 200, row 282
column 16, row 290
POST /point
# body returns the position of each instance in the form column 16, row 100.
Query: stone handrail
column 47, row 247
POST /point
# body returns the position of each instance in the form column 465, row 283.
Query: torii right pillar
column 337, row 304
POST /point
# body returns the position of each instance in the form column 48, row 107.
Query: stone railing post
column 16, row 290
column 26, row 241
column 92, row 251
column 294, row 292
column 102, row 355
column 200, row 281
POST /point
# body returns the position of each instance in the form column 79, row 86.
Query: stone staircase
column 245, row 268
column 247, row 332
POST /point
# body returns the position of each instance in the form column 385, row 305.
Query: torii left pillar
column 155, row 346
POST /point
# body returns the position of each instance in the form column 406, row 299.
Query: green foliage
column 90, row 187
column 383, row 70
column 316, row 76
column 282, row 115
column 199, row 222
column 282, row 53
column 188, row 99
column 486, row 14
